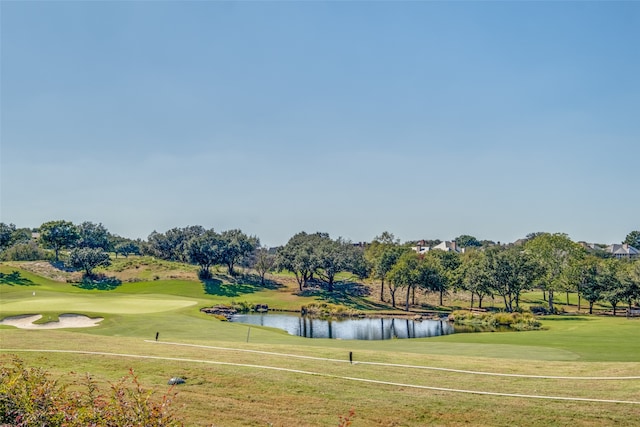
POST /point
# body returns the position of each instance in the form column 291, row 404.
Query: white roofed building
column 623, row 250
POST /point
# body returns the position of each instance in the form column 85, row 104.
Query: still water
column 383, row 328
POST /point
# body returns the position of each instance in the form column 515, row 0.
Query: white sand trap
column 64, row 321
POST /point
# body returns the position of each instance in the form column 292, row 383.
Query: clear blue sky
column 426, row 119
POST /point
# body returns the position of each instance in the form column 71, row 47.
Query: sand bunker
column 65, row 321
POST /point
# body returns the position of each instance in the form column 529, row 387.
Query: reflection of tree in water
column 358, row 329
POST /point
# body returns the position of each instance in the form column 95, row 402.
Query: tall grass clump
column 29, row 397
column 317, row 309
column 515, row 321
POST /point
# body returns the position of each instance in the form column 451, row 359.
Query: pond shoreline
column 222, row 310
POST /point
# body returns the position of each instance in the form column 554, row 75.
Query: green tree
column 382, row 254
column 236, row 245
column 88, row 258
column 609, row 277
column 6, row 234
column 127, row 247
column 263, row 261
column 299, row 256
column 590, row 287
column 336, row 256
column 512, row 272
column 475, row 278
column 404, row 274
column 171, row 245
column 29, row 251
column 466, row 241
column 205, row 250
column 449, row 262
column 10, row 236
column 431, row 276
column 629, row 276
column 93, row 236
column 633, row 239
column 554, row 253
column 58, row 235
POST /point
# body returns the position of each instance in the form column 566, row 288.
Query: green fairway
column 98, row 303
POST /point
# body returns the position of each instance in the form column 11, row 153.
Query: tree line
column 549, row 262
column 552, row 263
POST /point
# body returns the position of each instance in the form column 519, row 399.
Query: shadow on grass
column 99, row 282
column 256, row 280
column 60, row 265
column 349, row 294
column 234, row 286
column 15, row 279
column 564, row 317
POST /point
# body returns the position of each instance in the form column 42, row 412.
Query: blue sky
column 426, row 119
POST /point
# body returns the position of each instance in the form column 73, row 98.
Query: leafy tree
column 554, row 253
column 171, row 245
column 236, row 245
column 512, row 271
column 263, row 261
column 465, row 241
column 21, row 235
column 609, row 277
column 475, row 278
column 404, row 274
column 299, row 256
column 633, row 239
column 431, row 275
column 533, row 235
column 382, row 254
column 590, row 287
column 335, row 256
column 629, row 276
column 58, row 235
column 576, row 273
column 29, row 251
column 6, row 235
column 449, row 263
column 205, row 250
column 93, row 236
column 126, row 248
column 88, row 258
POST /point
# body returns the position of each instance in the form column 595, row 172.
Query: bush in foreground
column 28, row 397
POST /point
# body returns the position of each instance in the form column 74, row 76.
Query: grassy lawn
column 230, row 386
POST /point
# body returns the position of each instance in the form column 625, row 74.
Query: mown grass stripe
column 396, row 365
column 319, row 374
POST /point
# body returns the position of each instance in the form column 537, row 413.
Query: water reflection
column 349, row 329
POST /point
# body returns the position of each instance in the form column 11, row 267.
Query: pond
column 381, row 328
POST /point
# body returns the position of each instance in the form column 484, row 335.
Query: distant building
column 443, row 246
column 623, row 251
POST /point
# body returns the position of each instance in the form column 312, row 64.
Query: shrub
column 539, row 309
column 241, row 306
column 328, row 310
column 516, row 321
column 26, row 252
column 28, row 397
